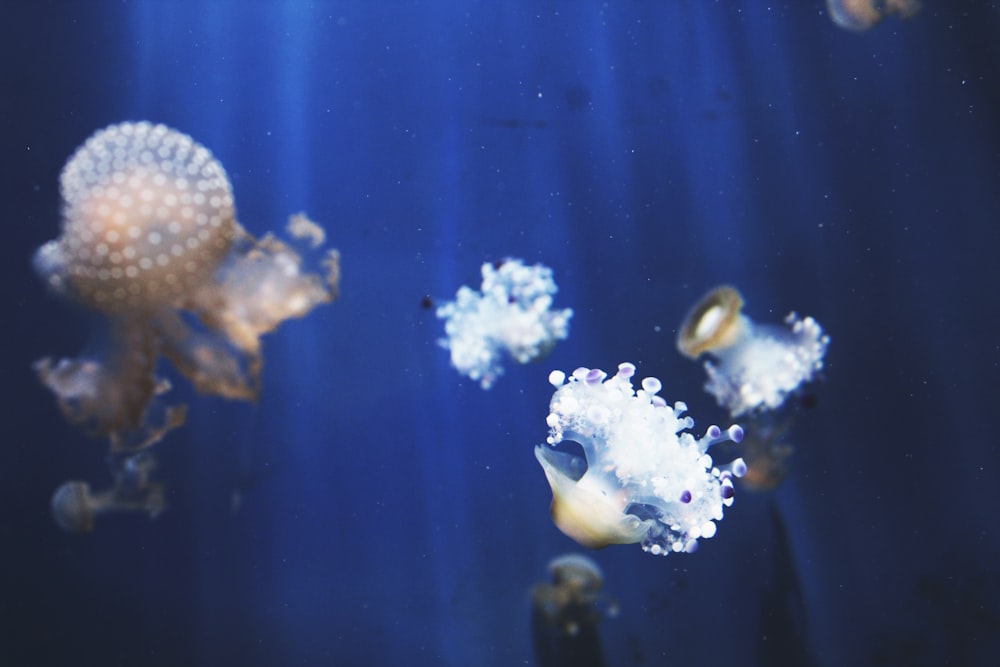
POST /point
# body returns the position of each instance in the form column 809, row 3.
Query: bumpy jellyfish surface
column 643, row 477
column 512, row 312
column 150, row 240
column 860, row 15
column 755, row 366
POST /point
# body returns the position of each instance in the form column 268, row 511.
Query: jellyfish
column 566, row 612
column 511, row 313
column 75, row 507
column 150, row 242
column 643, row 477
column 756, row 366
column 860, row 15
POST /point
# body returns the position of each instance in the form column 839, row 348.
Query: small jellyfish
column 756, row 366
column 860, row 15
column 75, row 507
column 766, row 453
column 150, row 241
column 642, row 477
column 566, row 612
column 512, row 312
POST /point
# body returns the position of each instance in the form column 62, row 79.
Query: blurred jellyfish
column 642, row 477
column 766, row 453
column 860, row 15
column 566, row 612
column 150, row 241
column 756, row 366
column 512, row 313
column 75, row 508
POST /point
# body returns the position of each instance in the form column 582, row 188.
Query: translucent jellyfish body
column 512, row 313
column 755, row 366
column 150, row 240
column 859, row 15
column 566, row 611
column 643, row 477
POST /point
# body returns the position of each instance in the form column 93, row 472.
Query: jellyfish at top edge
column 150, row 241
column 861, row 15
column 755, row 366
column 643, row 476
column 512, row 313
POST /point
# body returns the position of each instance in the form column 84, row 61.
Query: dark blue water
column 393, row 512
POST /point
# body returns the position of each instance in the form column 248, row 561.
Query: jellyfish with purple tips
column 643, row 476
column 512, row 313
column 752, row 367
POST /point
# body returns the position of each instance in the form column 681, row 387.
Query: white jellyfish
column 643, row 477
column 512, row 313
column 755, row 366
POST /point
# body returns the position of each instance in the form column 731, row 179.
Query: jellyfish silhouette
column 151, row 242
column 566, row 611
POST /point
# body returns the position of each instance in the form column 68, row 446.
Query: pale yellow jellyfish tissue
column 642, row 476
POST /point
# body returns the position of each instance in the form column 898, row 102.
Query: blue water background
column 393, row 512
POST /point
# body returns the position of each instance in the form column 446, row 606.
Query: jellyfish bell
column 587, row 509
column 75, row 508
column 714, row 323
column 578, row 571
column 148, row 215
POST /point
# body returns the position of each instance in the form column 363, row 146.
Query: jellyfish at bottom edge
column 642, row 476
column 566, row 612
column 754, row 367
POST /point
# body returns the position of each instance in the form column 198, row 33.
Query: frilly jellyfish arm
column 512, row 313
column 647, row 479
column 259, row 286
column 115, row 397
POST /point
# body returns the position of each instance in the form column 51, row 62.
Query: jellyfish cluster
column 753, row 367
column 150, row 241
column 511, row 313
column 860, row 15
column 642, row 477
